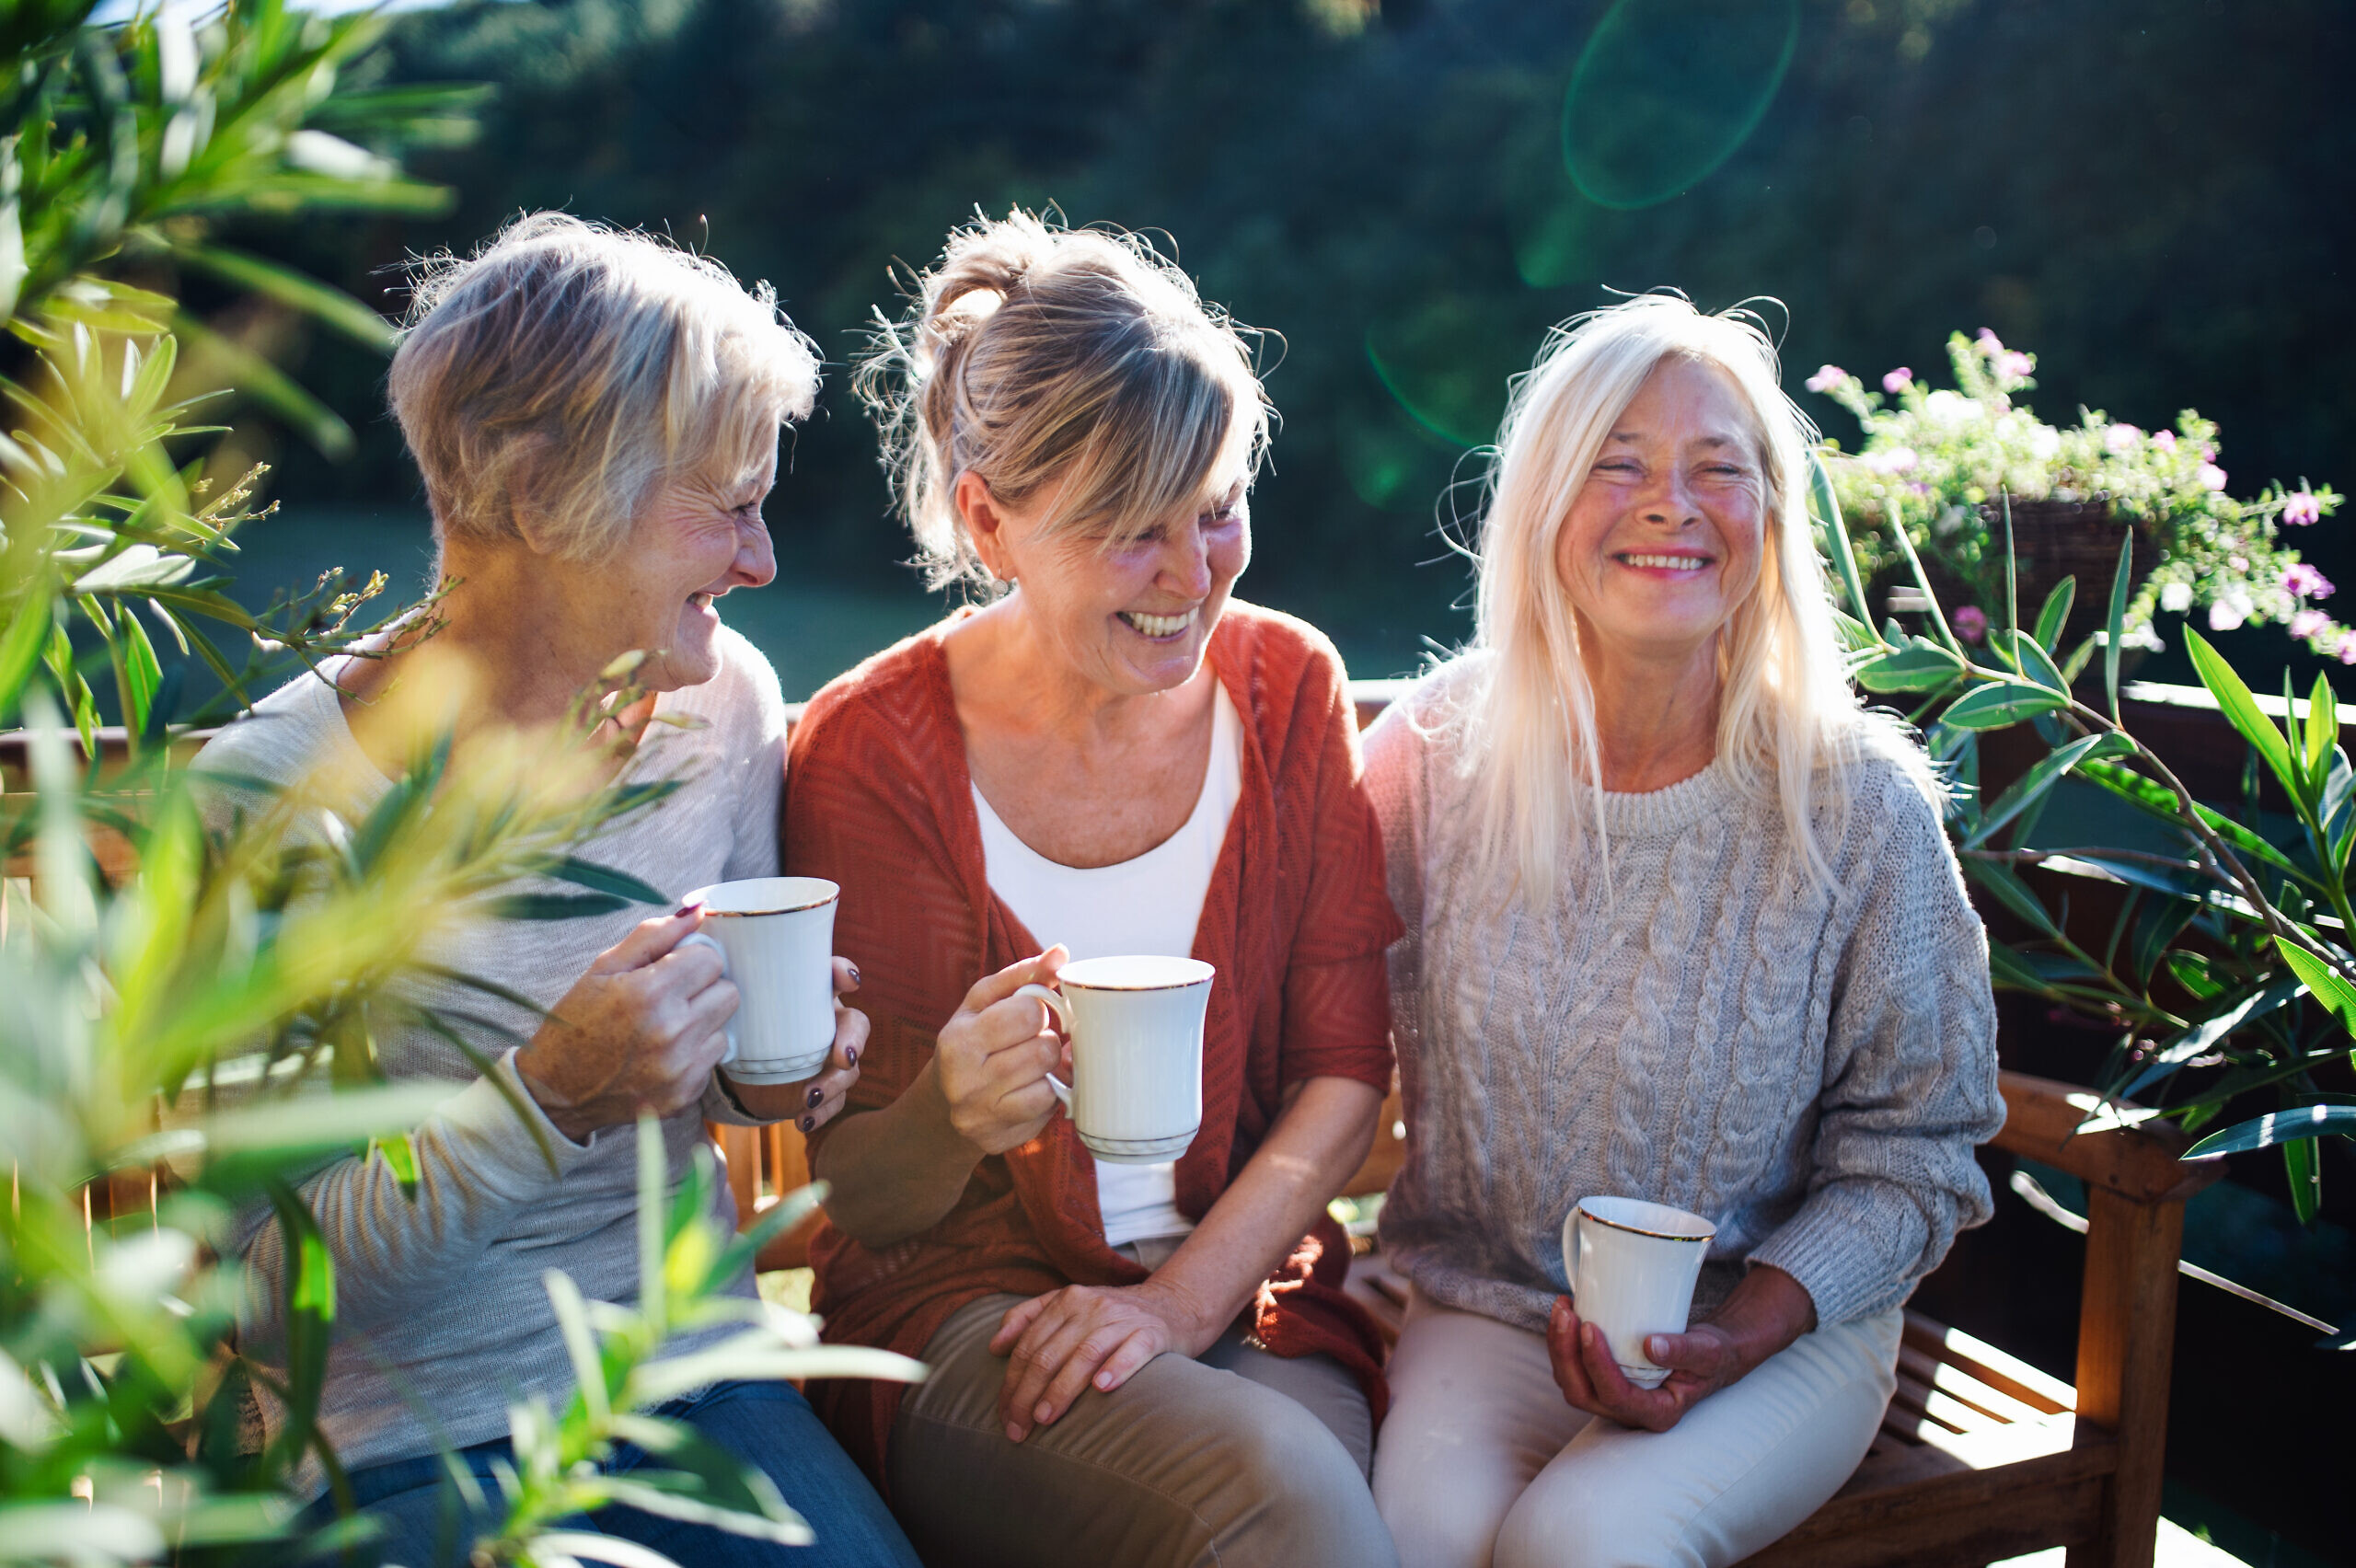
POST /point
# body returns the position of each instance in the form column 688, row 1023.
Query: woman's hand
column 1058, row 1344
column 813, row 1101
column 1767, row 1311
column 993, row 1058
column 641, row 1030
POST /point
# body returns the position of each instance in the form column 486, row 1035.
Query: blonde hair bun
column 1033, row 354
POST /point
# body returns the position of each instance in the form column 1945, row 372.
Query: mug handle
column 728, row 1028
column 1571, row 1252
column 1062, row 1010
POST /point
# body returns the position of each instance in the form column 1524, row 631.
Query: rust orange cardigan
column 1296, row 921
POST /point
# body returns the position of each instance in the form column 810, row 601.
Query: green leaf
column 271, row 387
column 2012, row 891
column 2197, row 1040
column 2304, row 1173
column 2001, row 704
column 2012, row 575
column 552, row 905
column 399, row 1154
column 2332, row 990
column 290, row 288
column 2323, row 731
column 20, row 647
column 606, row 880
column 1832, row 535
column 2118, row 625
column 1920, row 665
column 2030, row 658
column 2032, row 785
column 2240, row 708
column 2278, row 1127
column 2160, row 800
column 2056, row 614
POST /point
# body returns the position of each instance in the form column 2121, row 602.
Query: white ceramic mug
column 1632, row 1265
column 1135, row 1026
column 776, row 938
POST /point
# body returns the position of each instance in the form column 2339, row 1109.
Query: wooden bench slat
column 2046, row 1393
column 1957, row 1383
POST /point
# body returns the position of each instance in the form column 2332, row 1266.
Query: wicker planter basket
column 2051, row 540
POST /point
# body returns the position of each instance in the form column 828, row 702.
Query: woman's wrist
column 1768, row 1311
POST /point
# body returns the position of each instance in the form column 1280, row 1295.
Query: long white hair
column 1788, row 719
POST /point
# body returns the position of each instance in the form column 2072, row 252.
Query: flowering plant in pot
column 1945, row 466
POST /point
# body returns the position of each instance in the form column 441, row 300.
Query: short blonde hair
column 549, row 383
column 1033, row 354
column 1788, row 719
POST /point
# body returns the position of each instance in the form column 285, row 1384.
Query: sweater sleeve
column 1909, row 1081
column 1336, row 990
column 476, row 1165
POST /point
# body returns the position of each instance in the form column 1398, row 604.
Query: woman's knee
column 1567, row 1519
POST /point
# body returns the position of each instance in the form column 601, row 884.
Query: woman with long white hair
column 1683, row 927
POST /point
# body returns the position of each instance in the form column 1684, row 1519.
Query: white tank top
column 1150, row 904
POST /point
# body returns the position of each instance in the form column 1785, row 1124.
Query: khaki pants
column 1236, row 1457
column 1484, row 1463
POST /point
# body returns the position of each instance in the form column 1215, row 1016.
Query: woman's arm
column 900, row 1170
column 1062, row 1341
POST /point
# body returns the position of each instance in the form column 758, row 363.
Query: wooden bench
column 1981, row 1456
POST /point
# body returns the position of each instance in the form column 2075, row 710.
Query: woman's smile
column 1160, row 629
column 1674, row 565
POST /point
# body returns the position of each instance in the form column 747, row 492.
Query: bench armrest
column 2123, row 1148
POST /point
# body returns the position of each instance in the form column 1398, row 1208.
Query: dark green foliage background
column 2154, row 197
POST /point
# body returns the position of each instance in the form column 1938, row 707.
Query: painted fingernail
column 850, row 1057
column 854, row 971
column 808, row 1124
column 817, row 1094
column 690, row 906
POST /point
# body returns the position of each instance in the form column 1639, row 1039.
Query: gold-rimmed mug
column 1631, row 1266
column 1135, row 1026
column 776, row 938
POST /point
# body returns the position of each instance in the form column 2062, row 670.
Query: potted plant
column 1951, row 468
column 2228, row 975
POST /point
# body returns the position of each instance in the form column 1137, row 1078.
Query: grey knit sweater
column 441, row 1318
column 1809, row 1069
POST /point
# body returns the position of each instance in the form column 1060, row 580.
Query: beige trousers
column 1236, row 1457
column 1484, row 1463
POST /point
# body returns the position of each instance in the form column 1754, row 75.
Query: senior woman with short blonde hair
column 595, row 415
column 1682, row 927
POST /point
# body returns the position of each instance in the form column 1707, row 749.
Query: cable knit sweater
column 1808, row 1069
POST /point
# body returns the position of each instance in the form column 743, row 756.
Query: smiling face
column 699, row 538
column 1664, row 542
column 1130, row 615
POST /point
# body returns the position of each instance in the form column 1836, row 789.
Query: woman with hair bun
column 1682, row 927
column 1134, row 1365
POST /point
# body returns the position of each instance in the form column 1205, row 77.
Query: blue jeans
column 426, row 1524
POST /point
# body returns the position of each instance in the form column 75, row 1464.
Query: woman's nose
column 1186, row 564
column 756, row 562
column 1669, row 499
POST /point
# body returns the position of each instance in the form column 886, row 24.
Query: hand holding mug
column 1767, row 1311
column 640, row 1031
column 993, row 1058
column 811, row 1104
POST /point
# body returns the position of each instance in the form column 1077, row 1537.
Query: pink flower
column 1988, row 342
column 2239, row 564
column 1897, row 381
column 2013, row 364
column 2229, row 609
column 1971, row 623
column 2165, row 440
column 2212, row 476
column 1895, row 460
column 2347, row 649
column 2306, row 581
column 2300, row 507
column 1826, row 378
column 2119, row 437
column 2306, row 623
